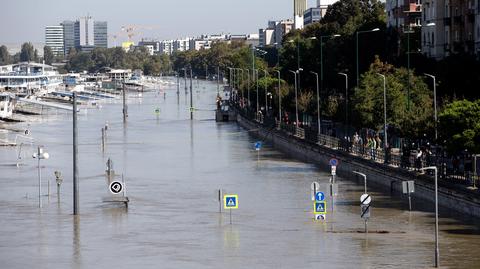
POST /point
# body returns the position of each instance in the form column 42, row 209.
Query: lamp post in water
column 40, row 155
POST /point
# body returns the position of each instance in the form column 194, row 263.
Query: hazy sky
column 25, row 20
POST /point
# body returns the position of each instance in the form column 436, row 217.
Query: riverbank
column 386, row 177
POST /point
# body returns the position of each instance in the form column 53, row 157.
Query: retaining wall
column 456, row 198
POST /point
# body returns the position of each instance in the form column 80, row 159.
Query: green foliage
column 220, row 55
column 117, row 58
column 305, row 101
column 28, row 53
column 459, row 126
column 368, row 101
column 48, row 56
column 344, row 18
column 5, row 57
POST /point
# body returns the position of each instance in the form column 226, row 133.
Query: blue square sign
column 320, row 207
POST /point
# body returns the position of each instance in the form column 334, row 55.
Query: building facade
column 313, row 15
column 54, row 39
column 71, row 35
column 299, row 8
column 449, row 27
column 477, row 28
column 86, row 31
column 404, row 13
column 100, row 34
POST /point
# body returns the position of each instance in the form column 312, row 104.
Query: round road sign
column 365, row 199
column 333, row 162
column 116, row 187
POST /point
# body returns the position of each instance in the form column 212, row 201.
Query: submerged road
column 172, row 168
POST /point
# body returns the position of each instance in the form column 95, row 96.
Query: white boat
column 29, row 77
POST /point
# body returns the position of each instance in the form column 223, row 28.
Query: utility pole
column 125, row 112
column 185, row 78
column 191, row 95
column 75, row 153
column 178, row 83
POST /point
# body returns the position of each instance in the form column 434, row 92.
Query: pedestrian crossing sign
column 320, row 207
column 230, row 201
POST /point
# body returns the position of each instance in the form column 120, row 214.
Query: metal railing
column 407, row 160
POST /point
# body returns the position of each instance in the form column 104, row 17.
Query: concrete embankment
column 451, row 197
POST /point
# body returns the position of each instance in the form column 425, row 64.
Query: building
column 151, row 43
column 403, row 13
column 477, row 28
column 54, row 39
column 448, row 27
column 274, row 33
column 86, row 32
column 181, row 45
column 100, row 34
column 299, row 8
column 266, row 37
column 313, row 15
column 71, row 35
column 253, row 40
column 166, row 47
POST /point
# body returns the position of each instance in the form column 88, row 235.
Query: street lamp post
column 279, row 101
column 248, row 87
column 408, row 32
column 364, row 180
column 319, row 124
column 321, row 55
column 358, row 68
column 437, row 250
column 255, row 71
column 40, row 155
column 266, row 97
column 385, row 142
column 229, row 76
column 296, row 97
column 346, row 101
column 434, row 103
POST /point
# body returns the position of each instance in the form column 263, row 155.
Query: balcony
column 412, row 8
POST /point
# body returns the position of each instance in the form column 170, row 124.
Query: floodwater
column 172, row 167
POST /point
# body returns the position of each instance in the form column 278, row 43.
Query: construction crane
column 133, row 30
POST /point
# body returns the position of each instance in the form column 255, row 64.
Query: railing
column 408, row 160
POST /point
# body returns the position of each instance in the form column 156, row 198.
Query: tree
column 5, row 57
column 459, row 126
column 48, row 56
column 368, row 101
column 27, row 53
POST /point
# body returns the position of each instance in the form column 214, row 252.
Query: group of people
column 372, row 143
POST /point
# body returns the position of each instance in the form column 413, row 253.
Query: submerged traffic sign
column 333, row 162
column 320, row 207
column 230, row 201
column 365, row 199
column 258, row 145
column 116, row 187
column 319, row 196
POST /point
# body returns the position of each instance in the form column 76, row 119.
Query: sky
column 25, row 20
